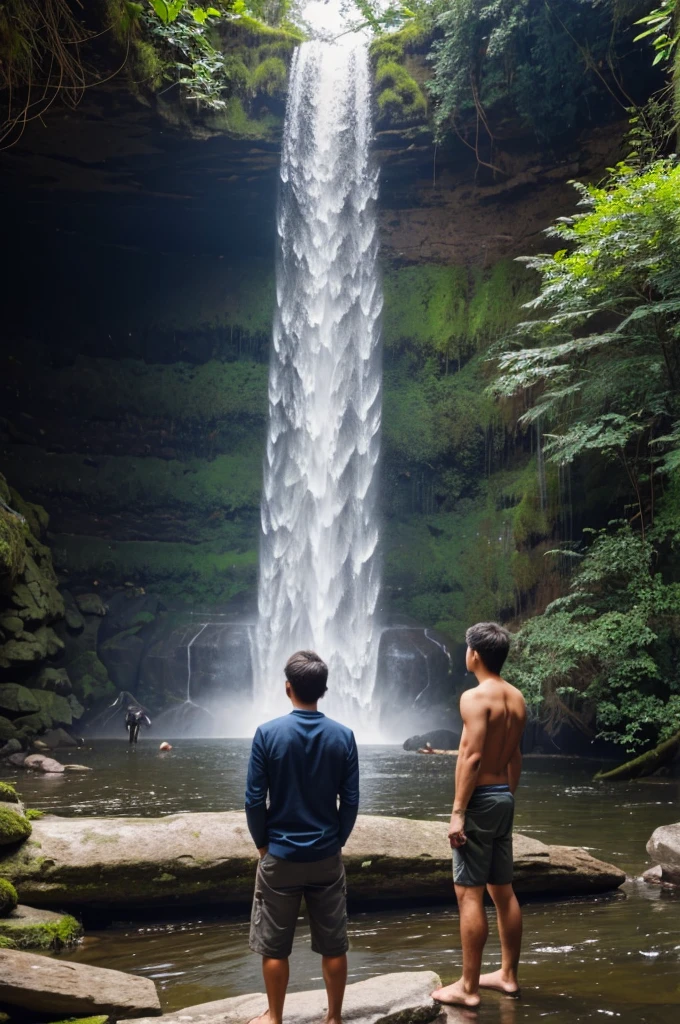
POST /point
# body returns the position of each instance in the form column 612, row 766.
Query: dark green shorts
column 279, row 888
column 486, row 857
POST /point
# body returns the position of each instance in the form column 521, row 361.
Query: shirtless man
column 487, row 775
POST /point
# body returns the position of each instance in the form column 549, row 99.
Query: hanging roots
column 40, row 60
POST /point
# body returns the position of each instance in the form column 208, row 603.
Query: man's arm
column 257, row 787
column 475, row 715
column 349, row 794
column 515, row 769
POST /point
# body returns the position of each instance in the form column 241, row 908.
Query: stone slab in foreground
column 196, row 859
column 386, row 999
column 43, row 985
column 664, row 849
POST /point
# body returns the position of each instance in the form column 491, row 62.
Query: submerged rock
column 90, row 604
column 387, row 997
column 208, row 858
column 664, row 849
column 43, row 985
column 438, row 739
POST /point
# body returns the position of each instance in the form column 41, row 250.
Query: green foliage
column 602, row 367
column 538, row 60
column 662, row 29
column 14, row 827
column 12, row 548
column 33, row 814
column 8, row 898
column 604, row 649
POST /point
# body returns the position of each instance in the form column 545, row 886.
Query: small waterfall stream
column 319, row 567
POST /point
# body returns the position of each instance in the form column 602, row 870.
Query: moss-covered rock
column 12, row 548
column 89, row 678
column 45, row 930
column 8, row 793
column 8, row 731
column 17, row 699
column 14, row 827
column 8, row 898
column 6, row 943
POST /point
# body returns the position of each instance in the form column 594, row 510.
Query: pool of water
column 616, row 956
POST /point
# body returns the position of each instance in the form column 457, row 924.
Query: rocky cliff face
column 134, row 382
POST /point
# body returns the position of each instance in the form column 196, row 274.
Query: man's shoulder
column 274, row 725
column 338, row 729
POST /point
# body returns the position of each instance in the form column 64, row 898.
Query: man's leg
column 334, row 970
column 326, row 899
column 474, row 929
column 275, row 974
column 510, row 931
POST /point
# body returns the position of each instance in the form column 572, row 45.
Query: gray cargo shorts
column 279, row 888
column 486, row 857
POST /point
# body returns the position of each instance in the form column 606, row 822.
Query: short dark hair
column 491, row 642
column 307, row 673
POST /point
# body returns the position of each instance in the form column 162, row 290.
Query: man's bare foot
column 333, row 1020
column 264, row 1018
column 500, row 982
column 455, row 995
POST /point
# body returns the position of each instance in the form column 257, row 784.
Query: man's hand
column 262, row 850
column 457, row 835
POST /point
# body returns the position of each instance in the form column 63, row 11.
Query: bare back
column 502, row 708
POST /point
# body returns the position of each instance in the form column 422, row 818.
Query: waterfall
column 319, row 566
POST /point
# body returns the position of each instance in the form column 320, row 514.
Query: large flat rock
column 191, row 859
column 664, row 849
column 385, row 999
column 43, row 985
column 33, row 928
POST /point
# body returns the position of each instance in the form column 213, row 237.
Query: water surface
column 583, row 960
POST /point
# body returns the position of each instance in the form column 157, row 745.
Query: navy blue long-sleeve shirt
column 304, row 761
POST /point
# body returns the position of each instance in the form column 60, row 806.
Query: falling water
column 319, row 570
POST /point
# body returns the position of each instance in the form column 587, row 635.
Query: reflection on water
column 616, row 956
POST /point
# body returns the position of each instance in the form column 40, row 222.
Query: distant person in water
column 303, row 762
column 135, row 718
column 480, row 833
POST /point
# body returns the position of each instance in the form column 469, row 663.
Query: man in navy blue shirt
column 304, row 762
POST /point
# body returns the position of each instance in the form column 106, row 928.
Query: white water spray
column 319, row 569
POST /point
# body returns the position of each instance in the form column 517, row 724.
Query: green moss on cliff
column 399, row 77
column 224, row 484
column 180, row 392
column 453, row 312
column 12, row 548
column 192, row 571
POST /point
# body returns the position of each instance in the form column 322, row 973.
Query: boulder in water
column 393, row 998
column 438, row 739
column 42, row 986
column 205, row 859
column 664, row 849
